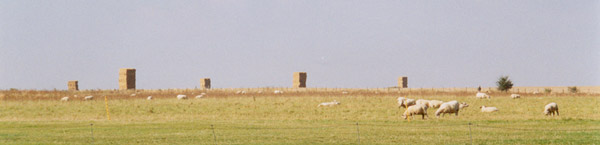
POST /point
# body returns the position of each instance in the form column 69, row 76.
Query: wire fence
column 222, row 133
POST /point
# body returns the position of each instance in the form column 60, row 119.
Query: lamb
column 406, row 103
column 435, row 103
column 551, row 109
column 480, row 95
column 86, row 98
column 180, row 97
column 418, row 109
column 335, row 102
column 422, row 101
column 448, row 107
column 515, row 96
column 149, row 98
column 488, row 109
column 64, row 99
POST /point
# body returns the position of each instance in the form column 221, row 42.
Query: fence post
column 214, row 135
column 92, row 131
column 358, row 132
column 470, row 134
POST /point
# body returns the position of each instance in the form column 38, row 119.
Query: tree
column 504, row 84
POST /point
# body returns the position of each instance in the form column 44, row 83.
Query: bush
column 547, row 90
column 504, row 84
column 573, row 89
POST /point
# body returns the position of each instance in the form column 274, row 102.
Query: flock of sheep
column 413, row 107
column 420, row 106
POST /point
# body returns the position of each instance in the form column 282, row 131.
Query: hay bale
column 205, row 83
column 73, row 85
column 403, row 82
column 299, row 80
column 126, row 78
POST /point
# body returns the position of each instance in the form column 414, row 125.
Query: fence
column 365, row 133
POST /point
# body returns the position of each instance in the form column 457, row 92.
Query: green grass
column 296, row 120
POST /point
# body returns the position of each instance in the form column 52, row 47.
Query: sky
column 260, row 43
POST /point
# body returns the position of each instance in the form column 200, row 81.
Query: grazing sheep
column 407, row 103
column 422, row 101
column 535, row 92
column 463, row 105
column 435, row 103
column 418, row 109
column 277, row 92
column 64, row 99
column 488, row 109
column 551, row 109
column 260, row 92
column 480, row 95
column 335, row 102
column 448, row 107
column 203, row 93
column 132, row 95
column 149, row 98
column 344, row 92
column 199, row 96
column 515, row 96
column 240, row 92
column 180, row 97
column 88, row 98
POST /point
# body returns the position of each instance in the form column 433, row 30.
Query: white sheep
column 86, row 98
column 551, row 109
column 448, row 107
column 132, row 95
column 488, row 109
column 423, row 101
column 149, row 98
column 435, row 103
column 515, row 96
column 405, row 103
column 180, row 97
column 199, row 96
column 480, row 95
column 344, row 92
column 240, row 92
column 64, row 99
column 335, row 102
column 277, row 92
column 418, row 109
column 202, row 93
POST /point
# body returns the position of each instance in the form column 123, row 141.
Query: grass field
column 294, row 119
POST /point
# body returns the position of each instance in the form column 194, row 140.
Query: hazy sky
column 356, row 44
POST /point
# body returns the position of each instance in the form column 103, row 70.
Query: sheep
column 448, row 107
column 132, row 95
column 86, row 98
column 406, row 103
column 515, row 96
column 480, row 95
column 422, row 101
column 277, row 92
column 202, row 93
column 335, row 102
column 463, row 105
column 435, row 103
column 551, row 109
column 64, row 99
column 488, row 109
column 418, row 109
column 344, row 92
column 149, row 98
column 180, row 97
column 240, row 92
column 199, row 96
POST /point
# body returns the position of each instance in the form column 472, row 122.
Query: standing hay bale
column 299, row 80
column 403, row 82
column 127, row 78
column 73, row 85
column 205, row 83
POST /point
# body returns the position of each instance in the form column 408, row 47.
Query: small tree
column 547, row 90
column 504, row 84
column 573, row 89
